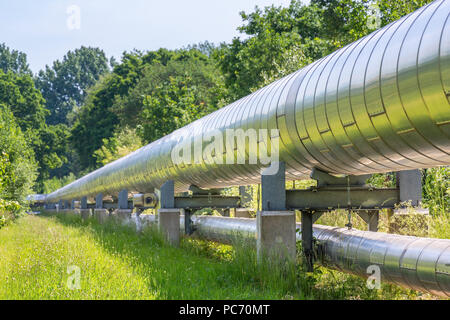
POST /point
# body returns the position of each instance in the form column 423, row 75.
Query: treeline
column 84, row 111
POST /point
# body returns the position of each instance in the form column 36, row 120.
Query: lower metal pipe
column 421, row 264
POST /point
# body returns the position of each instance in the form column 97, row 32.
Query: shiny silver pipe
column 421, row 264
column 379, row 104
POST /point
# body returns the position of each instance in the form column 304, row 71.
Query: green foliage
column 118, row 146
column 171, row 93
column 436, row 190
column 25, row 101
column 64, row 85
column 27, row 105
column 13, row 60
column 115, row 263
column 394, row 10
column 17, row 164
column 9, row 210
column 56, row 183
column 313, row 30
column 95, row 122
column 173, row 87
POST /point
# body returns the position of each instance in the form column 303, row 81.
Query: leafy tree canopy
column 13, row 60
column 64, row 84
column 17, row 164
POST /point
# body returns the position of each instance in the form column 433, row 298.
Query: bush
column 17, row 164
column 9, row 210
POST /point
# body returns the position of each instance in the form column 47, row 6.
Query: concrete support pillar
column 101, row 215
column 85, row 213
column 72, row 204
column 123, row 212
column 122, row 216
column 276, row 235
column 168, row 216
column 169, row 225
column 275, row 226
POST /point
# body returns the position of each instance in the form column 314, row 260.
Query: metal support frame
column 409, row 183
column 371, row 217
column 167, row 195
column 273, row 190
column 99, row 201
column 123, row 200
column 84, row 203
column 188, row 224
column 207, row 201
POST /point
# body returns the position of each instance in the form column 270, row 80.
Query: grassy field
column 39, row 253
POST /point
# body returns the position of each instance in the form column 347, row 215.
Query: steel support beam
column 123, row 200
column 371, row 217
column 167, row 195
column 188, row 224
column 326, row 199
column 99, row 201
column 410, row 184
column 84, row 203
column 273, row 190
column 206, row 201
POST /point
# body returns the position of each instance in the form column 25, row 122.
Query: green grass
column 117, row 263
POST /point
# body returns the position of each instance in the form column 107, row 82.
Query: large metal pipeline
column 379, row 104
column 421, row 264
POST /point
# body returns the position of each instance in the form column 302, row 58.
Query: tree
column 94, row 123
column 64, row 85
column 122, row 143
column 17, row 164
column 391, row 11
column 124, row 97
column 269, row 34
column 18, row 93
column 13, row 60
column 170, row 95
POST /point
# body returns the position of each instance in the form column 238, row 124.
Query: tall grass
column 117, row 263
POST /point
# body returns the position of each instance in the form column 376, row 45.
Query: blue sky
column 39, row 27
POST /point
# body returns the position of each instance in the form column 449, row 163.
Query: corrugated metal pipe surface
column 417, row 263
column 379, row 104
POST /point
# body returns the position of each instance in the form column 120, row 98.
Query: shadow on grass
column 201, row 269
